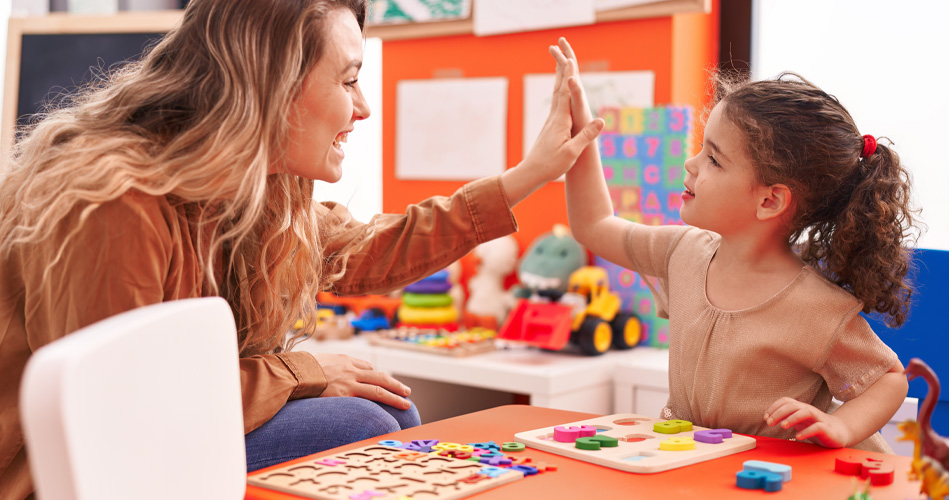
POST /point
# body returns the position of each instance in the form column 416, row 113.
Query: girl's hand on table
column 348, row 376
column 809, row 422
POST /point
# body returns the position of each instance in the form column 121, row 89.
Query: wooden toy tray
column 638, row 448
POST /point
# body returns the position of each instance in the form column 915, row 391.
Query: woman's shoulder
column 136, row 207
column 134, row 215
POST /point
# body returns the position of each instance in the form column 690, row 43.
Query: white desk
column 550, row 379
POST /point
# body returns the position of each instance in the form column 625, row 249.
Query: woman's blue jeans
column 306, row 426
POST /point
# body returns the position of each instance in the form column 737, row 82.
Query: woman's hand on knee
column 348, row 376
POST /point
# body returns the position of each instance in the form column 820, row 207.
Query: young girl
column 191, row 174
column 762, row 336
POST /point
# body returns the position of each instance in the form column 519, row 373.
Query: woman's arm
column 395, row 250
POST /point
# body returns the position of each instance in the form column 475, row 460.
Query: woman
column 191, row 174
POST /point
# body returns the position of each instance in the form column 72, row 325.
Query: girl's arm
column 588, row 201
column 853, row 422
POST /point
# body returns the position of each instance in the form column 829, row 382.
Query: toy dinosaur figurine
column 933, row 445
column 934, row 478
column 929, row 449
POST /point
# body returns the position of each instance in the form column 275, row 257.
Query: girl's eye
column 713, row 160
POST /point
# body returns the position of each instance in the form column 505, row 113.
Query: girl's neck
column 746, row 272
column 756, row 253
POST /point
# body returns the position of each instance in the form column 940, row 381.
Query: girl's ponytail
column 862, row 248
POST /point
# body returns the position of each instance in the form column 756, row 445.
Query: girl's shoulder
column 818, row 289
column 692, row 242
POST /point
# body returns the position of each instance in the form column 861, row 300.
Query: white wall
column 5, row 8
column 886, row 61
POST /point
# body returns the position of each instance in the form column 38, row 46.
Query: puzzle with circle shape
column 634, row 443
column 384, row 473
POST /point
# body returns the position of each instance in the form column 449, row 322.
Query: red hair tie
column 869, row 146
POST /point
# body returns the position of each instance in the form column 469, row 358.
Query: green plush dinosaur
column 547, row 264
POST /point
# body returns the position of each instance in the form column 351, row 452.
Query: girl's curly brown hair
column 851, row 214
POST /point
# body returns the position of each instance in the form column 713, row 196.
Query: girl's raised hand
column 568, row 70
column 809, row 422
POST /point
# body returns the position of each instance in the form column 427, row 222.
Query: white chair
column 145, row 405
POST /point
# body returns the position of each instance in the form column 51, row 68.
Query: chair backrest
column 145, row 405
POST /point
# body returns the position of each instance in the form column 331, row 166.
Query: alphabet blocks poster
column 644, row 152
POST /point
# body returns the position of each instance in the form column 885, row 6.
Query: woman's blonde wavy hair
column 200, row 120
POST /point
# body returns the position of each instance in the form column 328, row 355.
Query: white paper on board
column 23, row 8
column 618, row 4
column 493, row 17
column 607, row 88
column 93, row 6
column 451, row 129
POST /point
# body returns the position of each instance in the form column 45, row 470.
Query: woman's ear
column 774, row 201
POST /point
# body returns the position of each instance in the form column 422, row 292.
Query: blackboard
column 53, row 55
column 53, row 65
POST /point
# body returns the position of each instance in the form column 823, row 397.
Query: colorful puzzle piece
column 712, row 436
column 781, row 469
column 596, row 442
column 879, row 472
column 512, row 446
column 672, row 426
column 755, row 480
column 639, row 442
column 677, row 444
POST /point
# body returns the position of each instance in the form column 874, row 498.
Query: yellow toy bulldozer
column 588, row 315
column 601, row 324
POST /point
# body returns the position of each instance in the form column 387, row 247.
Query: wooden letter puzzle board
column 384, row 473
column 457, row 344
column 638, row 447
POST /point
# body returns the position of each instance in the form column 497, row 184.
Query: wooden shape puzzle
column 384, row 473
column 638, row 449
column 437, row 341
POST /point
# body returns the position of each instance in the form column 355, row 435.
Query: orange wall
column 678, row 49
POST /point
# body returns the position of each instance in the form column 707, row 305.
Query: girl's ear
column 774, row 201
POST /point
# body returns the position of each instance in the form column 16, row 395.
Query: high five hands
column 564, row 136
column 568, row 73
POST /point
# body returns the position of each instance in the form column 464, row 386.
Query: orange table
column 813, row 473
